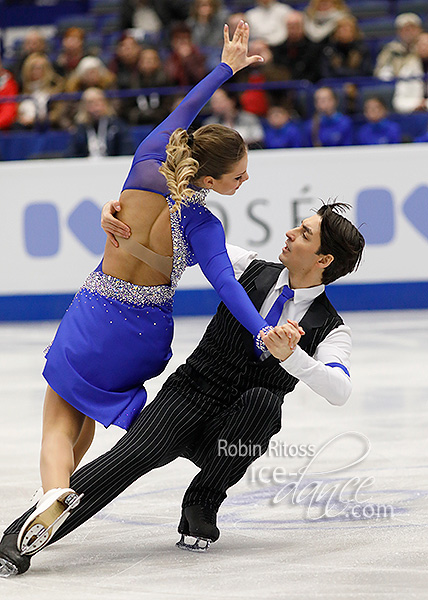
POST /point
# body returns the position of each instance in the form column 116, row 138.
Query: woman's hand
column 235, row 51
column 111, row 225
column 283, row 339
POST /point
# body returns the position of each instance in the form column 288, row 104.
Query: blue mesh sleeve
column 152, row 148
column 144, row 175
column 205, row 235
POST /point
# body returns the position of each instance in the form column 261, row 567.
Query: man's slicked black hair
column 341, row 239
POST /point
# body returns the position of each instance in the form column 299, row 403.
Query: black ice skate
column 198, row 522
column 12, row 562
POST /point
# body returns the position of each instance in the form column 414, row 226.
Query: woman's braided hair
column 211, row 150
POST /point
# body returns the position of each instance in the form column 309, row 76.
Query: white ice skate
column 38, row 495
column 50, row 513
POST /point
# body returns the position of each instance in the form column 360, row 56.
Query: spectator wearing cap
column 412, row 94
column 8, row 87
column 378, row 129
column 267, row 21
column 394, row 55
column 72, row 51
column 90, row 72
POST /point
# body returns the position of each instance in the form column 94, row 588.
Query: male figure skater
column 225, row 390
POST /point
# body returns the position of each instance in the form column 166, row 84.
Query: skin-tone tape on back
column 161, row 263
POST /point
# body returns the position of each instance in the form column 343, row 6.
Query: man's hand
column 111, row 225
column 282, row 340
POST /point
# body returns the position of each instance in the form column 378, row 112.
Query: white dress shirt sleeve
column 332, row 383
column 240, row 258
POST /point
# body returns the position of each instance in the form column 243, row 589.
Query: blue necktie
column 275, row 312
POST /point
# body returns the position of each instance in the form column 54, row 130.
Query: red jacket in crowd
column 8, row 110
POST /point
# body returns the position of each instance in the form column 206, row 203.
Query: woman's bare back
column 147, row 214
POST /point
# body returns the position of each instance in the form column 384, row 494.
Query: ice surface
column 267, row 549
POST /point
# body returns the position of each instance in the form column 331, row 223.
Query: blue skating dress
column 115, row 335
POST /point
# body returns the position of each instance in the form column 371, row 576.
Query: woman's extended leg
column 62, row 425
column 156, row 438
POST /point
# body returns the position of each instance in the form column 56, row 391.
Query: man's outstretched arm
column 327, row 372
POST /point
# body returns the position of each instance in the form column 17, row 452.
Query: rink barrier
column 352, row 297
column 53, row 236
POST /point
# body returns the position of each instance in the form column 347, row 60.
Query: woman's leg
column 62, row 425
column 80, row 448
column 157, row 437
column 83, row 441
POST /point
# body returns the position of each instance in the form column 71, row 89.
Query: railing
column 18, row 144
column 301, row 85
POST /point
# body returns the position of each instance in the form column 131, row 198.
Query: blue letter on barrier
column 375, row 209
column 84, row 222
column 416, row 209
column 41, row 229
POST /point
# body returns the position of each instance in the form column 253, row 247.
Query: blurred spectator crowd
column 334, row 73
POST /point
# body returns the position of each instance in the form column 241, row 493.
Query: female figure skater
column 126, row 303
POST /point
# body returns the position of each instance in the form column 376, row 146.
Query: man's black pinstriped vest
column 224, row 364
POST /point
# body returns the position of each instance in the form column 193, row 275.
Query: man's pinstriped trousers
column 178, row 423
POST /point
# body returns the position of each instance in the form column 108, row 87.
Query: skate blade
column 38, row 534
column 195, row 547
column 7, row 569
